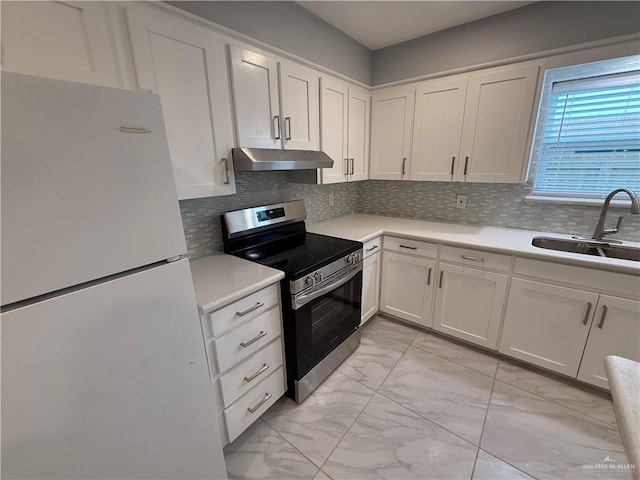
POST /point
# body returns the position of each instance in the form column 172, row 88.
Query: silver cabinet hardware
column 441, row 275
column 253, row 340
column 371, row 249
column 408, row 247
column 226, row 171
column 404, row 160
column 586, row 315
column 250, row 309
column 604, row 314
column 267, row 396
column 345, row 167
column 352, row 166
column 429, row 277
column 276, row 126
column 287, row 121
column 473, row 259
column 466, row 163
column 453, row 162
column 252, row 377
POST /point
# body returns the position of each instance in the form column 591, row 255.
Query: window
column 587, row 140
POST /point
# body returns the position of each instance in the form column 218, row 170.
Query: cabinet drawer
column 412, row 247
column 244, row 309
column 247, row 339
column 243, row 377
column 240, row 415
column 475, row 258
column 372, row 247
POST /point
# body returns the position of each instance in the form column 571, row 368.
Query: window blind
column 591, row 137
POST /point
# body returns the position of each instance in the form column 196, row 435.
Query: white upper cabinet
column 344, row 136
column 437, row 129
column 185, row 64
column 65, row 40
column 391, row 128
column 498, row 114
column 274, row 111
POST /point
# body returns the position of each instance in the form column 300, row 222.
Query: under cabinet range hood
column 264, row 159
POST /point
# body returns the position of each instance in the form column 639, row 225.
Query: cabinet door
column 391, row 128
column 406, row 289
column 185, row 64
column 437, row 129
column 547, row 325
column 299, row 94
column 469, row 304
column 64, row 40
column 614, row 331
column 370, row 286
column 496, row 125
column 334, row 97
column 358, row 133
column 255, row 98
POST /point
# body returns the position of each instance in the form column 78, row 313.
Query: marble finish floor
column 412, row 405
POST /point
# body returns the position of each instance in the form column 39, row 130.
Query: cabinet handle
column 253, row 409
column 473, row 259
column 253, row 340
column 604, row 314
column 404, row 160
column 276, row 127
column 429, row 277
column 408, row 247
column 352, row 166
column 251, row 378
column 586, row 315
column 250, row 309
column 371, row 249
column 453, row 162
column 287, row 120
column 226, row 171
column 345, row 167
column 441, row 276
column 466, row 163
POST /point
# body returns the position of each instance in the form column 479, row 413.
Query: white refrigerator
column 104, row 373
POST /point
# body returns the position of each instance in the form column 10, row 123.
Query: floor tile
column 316, row 426
column 489, row 467
column 453, row 396
column 547, row 440
column 389, row 441
column 373, row 360
column 395, row 330
column 260, row 453
column 467, row 356
column 582, row 400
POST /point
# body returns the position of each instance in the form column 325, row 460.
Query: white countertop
column 222, row 279
column 362, row 227
column 624, row 380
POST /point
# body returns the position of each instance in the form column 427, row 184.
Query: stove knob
column 317, row 277
column 350, row 259
column 308, row 281
column 356, row 257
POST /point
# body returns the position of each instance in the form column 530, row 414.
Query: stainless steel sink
column 588, row 247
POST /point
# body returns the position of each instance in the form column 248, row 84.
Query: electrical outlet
column 461, row 201
column 331, row 199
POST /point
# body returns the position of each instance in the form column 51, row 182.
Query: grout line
column 437, row 354
column 484, row 423
column 291, row 444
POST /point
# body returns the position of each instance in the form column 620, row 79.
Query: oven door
column 324, row 318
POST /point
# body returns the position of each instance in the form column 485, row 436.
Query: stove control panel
column 317, row 277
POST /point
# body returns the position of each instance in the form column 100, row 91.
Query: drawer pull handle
column 586, row 315
column 267, row 396
column 441, row 275
column 250, row 309
column 473, row 259
column 372, row 248
column 429, row 277
column 264, row 368
column 406, row 246
column 253, row 340
column 604, row 314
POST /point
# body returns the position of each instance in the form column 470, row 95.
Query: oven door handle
column 301, row 300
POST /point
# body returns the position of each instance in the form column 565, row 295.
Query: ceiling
column 383, row 23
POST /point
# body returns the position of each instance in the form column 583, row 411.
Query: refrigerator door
column 81, row 197
column 110, row 381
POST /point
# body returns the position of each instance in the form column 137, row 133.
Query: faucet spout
column 600, row 230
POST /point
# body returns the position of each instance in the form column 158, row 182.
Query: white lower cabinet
column 406, row 290
column 468, row 303
column 370, row 279
column 615, row 330
column 547, row 325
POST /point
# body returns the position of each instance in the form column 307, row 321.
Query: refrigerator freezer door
column 110, row 382
column 82, row 197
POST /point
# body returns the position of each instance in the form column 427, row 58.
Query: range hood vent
column 263, row 159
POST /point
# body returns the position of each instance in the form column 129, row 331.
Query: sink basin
column 587, row 247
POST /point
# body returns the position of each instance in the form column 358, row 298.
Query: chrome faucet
column 600, row 231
